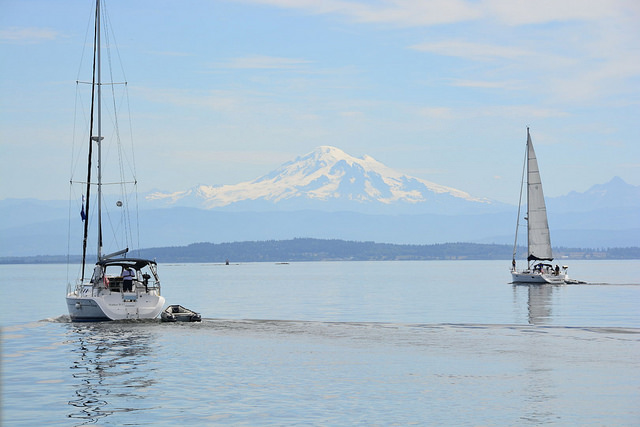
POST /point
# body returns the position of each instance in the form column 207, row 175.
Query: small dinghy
column 177, row 313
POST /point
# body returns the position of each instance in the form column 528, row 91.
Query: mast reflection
column 538, row 302
column 111, row 369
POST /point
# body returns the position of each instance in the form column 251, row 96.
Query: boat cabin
column 126, row 274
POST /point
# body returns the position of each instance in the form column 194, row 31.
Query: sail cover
column 538, row 226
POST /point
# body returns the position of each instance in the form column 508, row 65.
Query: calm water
column 331, row 343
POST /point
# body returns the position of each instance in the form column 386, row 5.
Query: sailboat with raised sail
column 117, row 287
column 539, row 255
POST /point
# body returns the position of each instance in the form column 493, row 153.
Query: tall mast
column 529, row 201
column 99, row 138
column 96, row 49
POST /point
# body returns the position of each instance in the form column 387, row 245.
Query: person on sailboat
column 127, row 279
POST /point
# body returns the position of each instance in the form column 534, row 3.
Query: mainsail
column 539, row 241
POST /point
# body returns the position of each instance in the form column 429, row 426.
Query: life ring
column 106, row 282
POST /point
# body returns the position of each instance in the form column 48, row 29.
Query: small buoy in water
column 119, row 204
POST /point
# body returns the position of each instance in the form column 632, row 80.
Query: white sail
column 539, row 241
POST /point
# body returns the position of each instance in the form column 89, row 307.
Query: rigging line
column 114, row 231
column 137, row 222
column 74, row 207
column 125, row 218
column 102, row 84
column 104, row 183
column 69, row 231
column 89, row 27
column 128, row 217
column 79, row 108
column 109, row 36
column 86, row 37
column 73, row 140
column 118, row 226
column 515, row 243
column 116, row 109
column 126, row 193
column 135, row 175
column 133, row 152
column 123, row 158
column 107, row 19
column 131, row 163
column 80, row 95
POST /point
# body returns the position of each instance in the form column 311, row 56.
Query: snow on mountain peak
column 327, row 174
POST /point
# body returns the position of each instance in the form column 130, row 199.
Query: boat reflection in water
column 538, row 302
column 110, row 370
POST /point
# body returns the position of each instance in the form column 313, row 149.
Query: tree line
column 308, row 249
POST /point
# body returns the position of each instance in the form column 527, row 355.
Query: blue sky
column 224, row 91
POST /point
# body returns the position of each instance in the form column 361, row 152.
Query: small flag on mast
column 83, row 215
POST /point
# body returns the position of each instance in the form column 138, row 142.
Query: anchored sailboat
column 539, row 269
column 119, row 287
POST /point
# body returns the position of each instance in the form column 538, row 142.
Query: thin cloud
column 512, row 111
column 264, row 63
column 171, row 53
column 518, row 111
column 256, row 157
column 414, row 13
column 437, row 112
column 471, row 50
column 19, row 35
column 525, row 12
column 395, row 12
column 352, row 114
column 482, row 84
column 212, row 99
column 569, row 51
column 435, row 12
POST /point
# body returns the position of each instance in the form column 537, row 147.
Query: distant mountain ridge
column 329, row 179
column 182, row 226
column 605, row 216
column 614, row 194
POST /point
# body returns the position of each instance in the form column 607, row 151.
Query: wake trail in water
column 292, row 325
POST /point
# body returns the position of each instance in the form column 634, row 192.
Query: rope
column 515, row 243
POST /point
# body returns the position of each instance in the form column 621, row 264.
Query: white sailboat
column 539, row 268
column 119, row 287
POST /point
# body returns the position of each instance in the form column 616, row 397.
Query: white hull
column 114, row 306
column 537, row 277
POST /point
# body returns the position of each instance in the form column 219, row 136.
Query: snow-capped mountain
column 606, row 215
column 329, row 179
